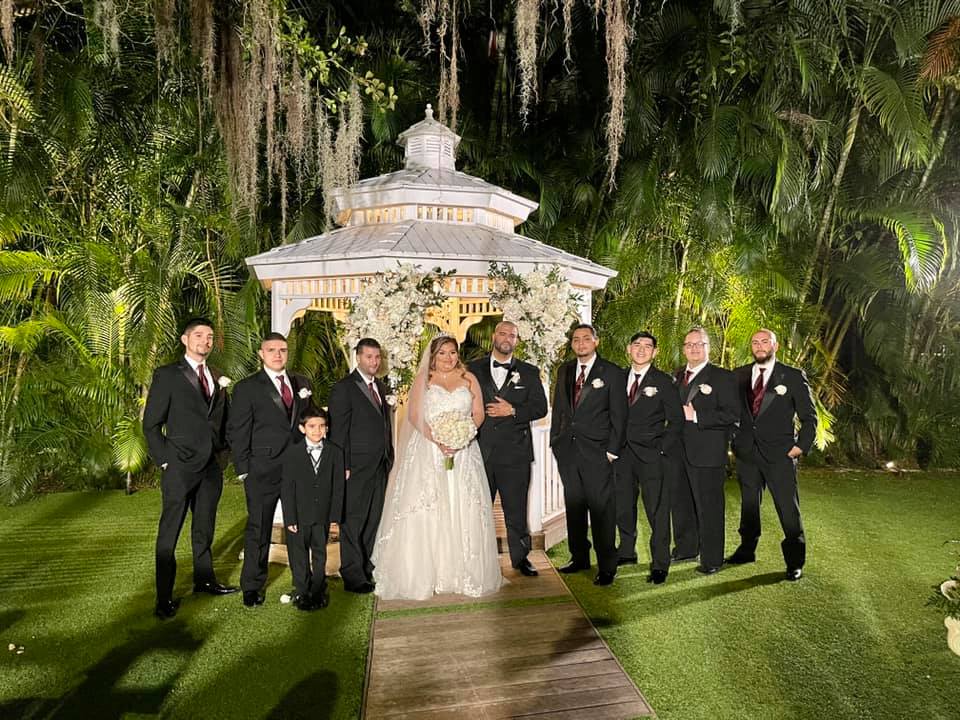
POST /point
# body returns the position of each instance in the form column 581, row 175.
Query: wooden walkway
column 527, row 651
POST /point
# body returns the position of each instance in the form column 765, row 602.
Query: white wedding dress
column 437, row 533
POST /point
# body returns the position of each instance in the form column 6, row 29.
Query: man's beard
column 761, row 357
column 503, row 348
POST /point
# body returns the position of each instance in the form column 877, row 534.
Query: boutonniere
column 649, row 391
column 597, row 383
column 391, row 400
column 514, row 377
column 705, row 389
column 224, row 382
column 304, row 393
column 780, row 389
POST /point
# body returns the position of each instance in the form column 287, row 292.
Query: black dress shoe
column 214, row 588
column 741, row 558
column 526, row 568
column 166, row 609
column 252, row 598
column 604, row 578
column 677, row 558
column 361, row 589
column 573, row 566
column 707, row 569
column 302, row 602
column 321, row 601
column 626, row 561
column 794, row 574
column 657, row 577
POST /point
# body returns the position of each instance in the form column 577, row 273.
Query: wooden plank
column 509, row 616
column 618, row 711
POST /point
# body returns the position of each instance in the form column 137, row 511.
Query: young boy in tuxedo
column 311, row 492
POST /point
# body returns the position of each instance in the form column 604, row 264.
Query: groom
column 360, row 424
column 513, row 396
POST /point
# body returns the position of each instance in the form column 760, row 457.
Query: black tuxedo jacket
column 259, row 427
column 598, row 424
column 310, row 498
column 363, row 430
column 507, row 440
column 181, row 427
column 773, row 432
column 718, row 410
column 655, row 420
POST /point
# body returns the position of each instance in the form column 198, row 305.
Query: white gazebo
column 434, row 216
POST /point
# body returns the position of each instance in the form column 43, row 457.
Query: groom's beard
column 504, row 348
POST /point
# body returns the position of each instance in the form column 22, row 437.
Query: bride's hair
column 437, row 343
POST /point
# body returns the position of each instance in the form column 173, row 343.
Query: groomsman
column 768, row 447
column 361, row 424
column 514, row 397
column 184, row 421
column 711, row 411
column 587, row 432
column 263, row 421
column 654, row 422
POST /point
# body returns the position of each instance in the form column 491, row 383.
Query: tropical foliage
column 792, row 165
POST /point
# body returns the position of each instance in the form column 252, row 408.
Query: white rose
column 304, row 393
column 705, row 389
column 597, row 383
column 649, row 391
column 223, row 381
column 514, row 377
column 780, row 389
column 391, row 400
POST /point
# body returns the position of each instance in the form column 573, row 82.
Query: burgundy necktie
column 581, row 379
column 634, row 389
column 686, row 377
column 375, row 395
column 285, row 393
column 757, row 398
column 204, row 388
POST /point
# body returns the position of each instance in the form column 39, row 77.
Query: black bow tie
column 505, row 366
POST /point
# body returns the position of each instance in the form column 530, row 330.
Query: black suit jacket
column 655, row 420
column 718, row 410
column 310, row 498
column 597, row 425
column 363, row 430
column 507, row 440
column 773, row 432
column 259, row 427
column 181, row 427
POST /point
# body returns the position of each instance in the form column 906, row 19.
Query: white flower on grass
column 514, row 377
column 597, row 383
column 780, row 389
column 223, row 381
column 285, row 599
column 649, row 391
column 304, row 393
column 705, row 389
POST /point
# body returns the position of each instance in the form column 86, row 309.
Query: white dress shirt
column 206, row 372
column 499, row 374
column 636, row 376
column 767, row 369
column 367, row 380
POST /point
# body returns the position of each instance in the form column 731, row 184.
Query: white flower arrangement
column 304, row 393
column 780, row 389
column 224, row 382
column 391, row 400
column 597, row 383
column 705, row 389
column 390, row 308
column 514, row 377
column 650, row 391
column 541, row 303
column 453, row 429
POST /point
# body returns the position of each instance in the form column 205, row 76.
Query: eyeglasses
column 692, row 346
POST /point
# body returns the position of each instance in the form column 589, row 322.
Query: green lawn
column 853, row 639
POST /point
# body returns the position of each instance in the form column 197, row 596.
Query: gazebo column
column 284, row 309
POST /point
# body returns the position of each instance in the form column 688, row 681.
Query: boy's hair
column 312, row 411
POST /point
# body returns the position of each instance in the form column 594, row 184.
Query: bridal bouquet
column 454, row 430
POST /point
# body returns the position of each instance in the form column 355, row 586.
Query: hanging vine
column 443, row 15
column 6, row 28
column 525, row 23
column 618, row 35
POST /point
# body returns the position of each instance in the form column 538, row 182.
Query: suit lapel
column 365, row 391
column 218, row 391
column 273, row 391
column 776, row 373
column 693, row 389
column 295, row 407
column 191, row 377
column 486, row 381
column 594, row 374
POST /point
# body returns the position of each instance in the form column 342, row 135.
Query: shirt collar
column 767, row 366
column 508, row 361
column 273, row 374
column 589, row 364
column 641, row 373
column 366, row 378
column 698, row 368
column 193, row 363
column 311, row 446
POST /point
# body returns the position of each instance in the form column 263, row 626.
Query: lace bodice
column 439, row 400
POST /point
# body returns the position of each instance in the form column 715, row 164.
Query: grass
column 76, row 591
column 853, row 639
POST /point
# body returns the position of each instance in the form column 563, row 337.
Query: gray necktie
column 315, row 452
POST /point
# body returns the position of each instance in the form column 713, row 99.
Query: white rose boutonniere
column 224, row 382
column 391, row 400
column 705, row 389
column 780, row 389
column 514, row 377
column 304, row 393
column 649, row 391
column 597, row 383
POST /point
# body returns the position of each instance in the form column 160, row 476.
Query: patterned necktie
column 375, row 395
column 204, row 387
column 581, row 379
column 757, row 398
column 315, row 452
column 634, row 389
column 285, row 393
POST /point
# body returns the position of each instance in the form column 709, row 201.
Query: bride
column 437, row 533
